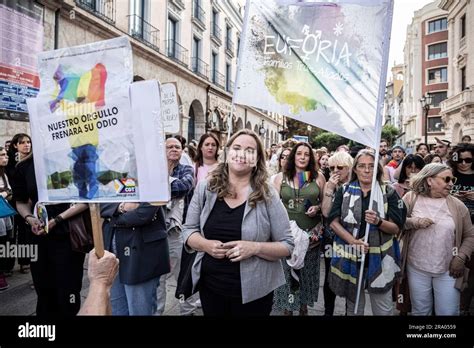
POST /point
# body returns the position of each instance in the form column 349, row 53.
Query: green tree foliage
column 390, row 132
column 329, row 140
column 300, row 128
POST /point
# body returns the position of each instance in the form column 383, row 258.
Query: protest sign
column 170, row 108
column 85, row 133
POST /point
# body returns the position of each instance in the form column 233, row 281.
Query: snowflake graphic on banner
column 338, row 29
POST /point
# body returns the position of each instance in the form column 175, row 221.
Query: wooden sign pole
column 97, row 229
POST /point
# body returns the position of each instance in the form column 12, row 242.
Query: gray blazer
column 267, row 222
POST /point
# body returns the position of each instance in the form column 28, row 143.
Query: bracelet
column 464, row 261
column 26, row 218
column 58, row 219
column 329, row 194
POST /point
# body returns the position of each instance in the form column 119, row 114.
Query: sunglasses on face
column 466, row 160
column 448, row 179
column 332, row 168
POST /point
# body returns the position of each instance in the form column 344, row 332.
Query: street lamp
column 262, row 130
column 425, row 104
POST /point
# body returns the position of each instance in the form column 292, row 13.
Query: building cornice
column 445, row 4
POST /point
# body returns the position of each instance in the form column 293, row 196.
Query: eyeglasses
column 331, row 168
column 448, row 179
column 177, row 147
column 466, row 160
column 284, row 157
column 369, row 167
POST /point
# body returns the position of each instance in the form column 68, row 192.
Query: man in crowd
column 398, row 153
column 383, row 152
column 465, row 139
column 182, row 182
column 442, row 149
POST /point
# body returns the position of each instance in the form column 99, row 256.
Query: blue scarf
column 382, row 263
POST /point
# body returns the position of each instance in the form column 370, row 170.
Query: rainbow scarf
column 393, row 164
column 303, row 178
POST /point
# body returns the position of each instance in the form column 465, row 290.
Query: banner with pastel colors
column 323, row 63
column 88, row 137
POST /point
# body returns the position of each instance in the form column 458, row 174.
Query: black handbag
column 184, row 286
column 80, row 232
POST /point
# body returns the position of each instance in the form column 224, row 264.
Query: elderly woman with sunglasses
column 282, row 160
column 349, row 217
column 438, row 242
column 340, row 165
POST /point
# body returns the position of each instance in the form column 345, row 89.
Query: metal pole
column 427, row 109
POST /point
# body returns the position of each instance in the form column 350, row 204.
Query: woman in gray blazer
column 240, row 229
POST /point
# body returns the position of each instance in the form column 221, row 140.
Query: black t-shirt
column 23, row 182
column 222, row 275
column 396, row 214
column 465, row 182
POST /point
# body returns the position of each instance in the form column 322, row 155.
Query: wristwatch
column 380, row 222
column 58, row 219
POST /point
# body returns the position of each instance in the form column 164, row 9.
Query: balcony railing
column 229, row 47
column 177, row 52
column 104, row 9
column 218, row 79
column 200, row 67
column 216, row 33
column 229, row 86
column 144, row 31
column 199, row 14
column 464, row 98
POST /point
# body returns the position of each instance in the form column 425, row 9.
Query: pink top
column 431, row 249
column 203, row 171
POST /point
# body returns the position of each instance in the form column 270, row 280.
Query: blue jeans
column 85, row 171
column 138, row 299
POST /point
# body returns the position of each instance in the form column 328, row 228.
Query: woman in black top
column 20, row 148
column 460, row 160
column 56, row 269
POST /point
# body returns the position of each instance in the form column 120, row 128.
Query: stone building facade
column 458, row 110
column 193, row 43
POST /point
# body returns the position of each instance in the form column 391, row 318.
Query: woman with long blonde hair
column 240, row 230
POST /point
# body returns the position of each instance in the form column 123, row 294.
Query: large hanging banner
column 87, row 139
column 21, row 40
column 320, row 62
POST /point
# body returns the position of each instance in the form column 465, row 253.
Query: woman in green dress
column 301, row 190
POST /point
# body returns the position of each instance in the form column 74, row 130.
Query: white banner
column 320, row 62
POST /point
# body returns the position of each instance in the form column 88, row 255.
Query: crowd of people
column 257, row 223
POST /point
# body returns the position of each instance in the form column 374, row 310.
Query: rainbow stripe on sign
column 303, row 178
column 88, row 87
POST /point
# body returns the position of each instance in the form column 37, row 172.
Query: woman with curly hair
column 240, row 230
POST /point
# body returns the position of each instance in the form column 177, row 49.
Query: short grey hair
column 419, row 182
column 377, row 166
column 341, row 158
